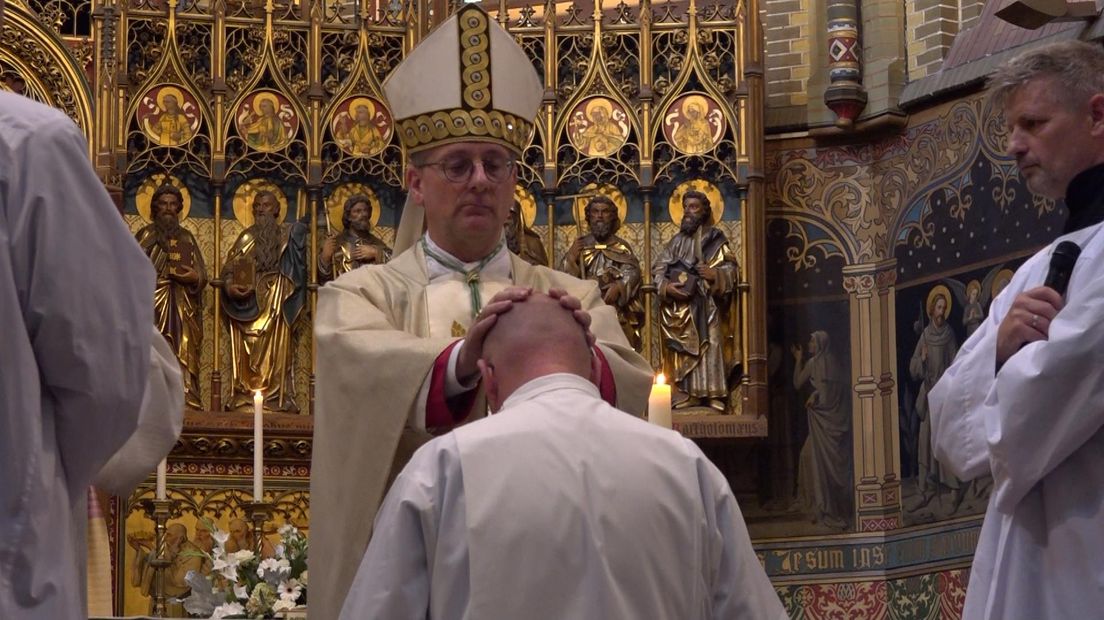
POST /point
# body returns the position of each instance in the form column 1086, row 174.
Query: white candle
column 659, row 403
column 161, row 469
column 258, row 446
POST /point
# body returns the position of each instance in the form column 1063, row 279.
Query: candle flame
column 660, row 379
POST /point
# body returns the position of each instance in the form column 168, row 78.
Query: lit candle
column 161, row 468
column 659, row 403
column 258, row 446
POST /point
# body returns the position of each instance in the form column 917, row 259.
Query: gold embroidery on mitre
column 439, row 127
column 475, row 59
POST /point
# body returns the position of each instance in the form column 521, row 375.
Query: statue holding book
column 696, row 276
column 264, row 291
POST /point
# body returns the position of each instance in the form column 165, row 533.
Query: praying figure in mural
column 824, row 464
column 183, row 557
column 522, row 240
column 265, row 279
column 609, row 260
column 181, row 276
column 930, row 359
column 354, row 246
column 696, row 276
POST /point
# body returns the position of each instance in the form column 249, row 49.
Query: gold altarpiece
column 643, row 101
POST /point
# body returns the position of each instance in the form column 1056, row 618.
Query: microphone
column 1061, row 266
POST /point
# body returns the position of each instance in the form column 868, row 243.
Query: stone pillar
column 876, row 443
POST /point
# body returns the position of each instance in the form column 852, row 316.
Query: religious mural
column 361, row 126
column 598, row 126
column 267, row 120
column 694, row 123
column 169, row 115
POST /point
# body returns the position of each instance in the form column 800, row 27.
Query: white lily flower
column 228, row 609
column 240, row 556
column 220, row 537
column 240, row 592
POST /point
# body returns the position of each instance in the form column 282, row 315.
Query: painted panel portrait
column 694, row 123
column 266, row 120
column 361, row 126
column 169, row 115
column 598, row 126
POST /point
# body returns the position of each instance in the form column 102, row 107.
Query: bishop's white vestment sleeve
column 160, row 421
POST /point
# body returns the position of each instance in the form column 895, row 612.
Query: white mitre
column 467, row 81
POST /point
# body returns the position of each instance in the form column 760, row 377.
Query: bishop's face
column 465, row 217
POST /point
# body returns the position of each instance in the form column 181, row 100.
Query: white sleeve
column 393, row 580
column 88, row 297
column 160, row 421
column 740, row 587
column 1047, row 400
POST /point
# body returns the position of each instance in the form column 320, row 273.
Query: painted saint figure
column 355, row 245
column 265, row 289
column 609, row 260
column 696, row 276
column 262, row 127
column 824, row 465
column 181, row 277
column 360, row 136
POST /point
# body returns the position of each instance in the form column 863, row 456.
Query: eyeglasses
column 460, row 170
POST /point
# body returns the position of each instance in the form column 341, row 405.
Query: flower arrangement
column 242, row 584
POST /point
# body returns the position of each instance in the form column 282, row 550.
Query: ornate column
column 876, row 443
column 845, row 94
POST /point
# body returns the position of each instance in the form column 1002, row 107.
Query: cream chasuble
column 377, row 342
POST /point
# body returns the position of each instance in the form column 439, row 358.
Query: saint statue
column 265, row 288
column 181, row 276
column 356, row 245
column 522, row 240
column 696, row 276
column 607, row 259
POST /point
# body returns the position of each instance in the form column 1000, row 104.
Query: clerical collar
column 1085, row 199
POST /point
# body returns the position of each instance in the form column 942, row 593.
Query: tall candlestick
column 659, row 403
column 258, row 446
column 161, row 485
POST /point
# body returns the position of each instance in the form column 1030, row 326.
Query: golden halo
column 605, row 189
column 1003, row 277
column 265, row 96
column 335, row 204
column 528, row 204
column 936, row 291
column 974, row 285
column 170, row 90
column 598, row 102
column 362, row 101
column 243, row 200
column 701, row 101
column 674, row 206
column 144, row 196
